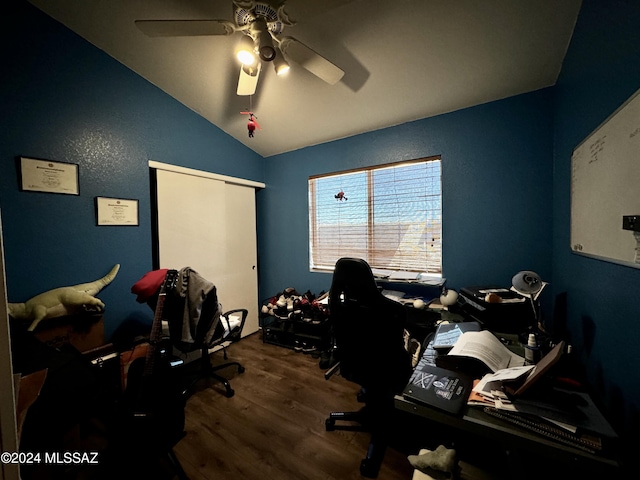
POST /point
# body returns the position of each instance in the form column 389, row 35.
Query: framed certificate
column 116, row 211
column 47, row 176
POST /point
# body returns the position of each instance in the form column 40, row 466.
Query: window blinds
column 391, row 216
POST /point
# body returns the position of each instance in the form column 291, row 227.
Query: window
column 390, row 216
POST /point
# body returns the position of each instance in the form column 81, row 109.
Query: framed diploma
column 47, row 176
column 116, row 211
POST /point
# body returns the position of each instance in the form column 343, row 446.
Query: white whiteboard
column 605, row 186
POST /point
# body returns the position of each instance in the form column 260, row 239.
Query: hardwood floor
column 273, row 428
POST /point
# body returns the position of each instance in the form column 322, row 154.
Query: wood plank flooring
column 273, row 428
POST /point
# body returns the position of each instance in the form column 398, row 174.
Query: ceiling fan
column 261, row 24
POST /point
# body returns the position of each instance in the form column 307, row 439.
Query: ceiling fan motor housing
column 247, row 12
column 263, row 21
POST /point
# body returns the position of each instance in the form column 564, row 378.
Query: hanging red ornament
column 252, row 124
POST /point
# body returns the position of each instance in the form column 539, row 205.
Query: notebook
column 437, row 387
column 447, row 334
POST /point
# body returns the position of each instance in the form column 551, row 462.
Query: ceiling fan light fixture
column 250, row 71
column 279, row 63
column 248, row 80
column 263, row 40
column 245, row 51
column 266, row 54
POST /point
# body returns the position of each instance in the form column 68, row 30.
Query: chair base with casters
column 207, row 370
column 374, row 417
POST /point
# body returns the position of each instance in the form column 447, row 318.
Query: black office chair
column 213, row 329
column 224, row 334
column 368, row 330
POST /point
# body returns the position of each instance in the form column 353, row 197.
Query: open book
column 478, row 353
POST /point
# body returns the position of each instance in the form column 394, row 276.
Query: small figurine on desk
column 418, row 304
column 62, row 301
column 448, row 297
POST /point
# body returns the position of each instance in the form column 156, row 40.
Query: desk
column 512, row 439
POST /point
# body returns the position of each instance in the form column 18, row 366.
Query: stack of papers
column 488, row 390
column 478, row 353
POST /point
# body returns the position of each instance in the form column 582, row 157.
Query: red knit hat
column 149, row 284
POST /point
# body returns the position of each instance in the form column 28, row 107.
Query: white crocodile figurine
column 62, row 301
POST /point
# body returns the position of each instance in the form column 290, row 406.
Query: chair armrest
column 244, row 311
column 234, row 334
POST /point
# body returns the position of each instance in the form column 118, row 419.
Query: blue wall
column 65, row 100
column 506, row 180
column 497, row 192
column 600, row 72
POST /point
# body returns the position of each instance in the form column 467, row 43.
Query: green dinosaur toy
column 62, row 301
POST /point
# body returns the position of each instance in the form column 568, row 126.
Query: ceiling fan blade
column 248, row 79
column 185, row 28
column 312, row 61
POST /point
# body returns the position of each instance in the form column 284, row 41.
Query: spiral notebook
column 586, row 442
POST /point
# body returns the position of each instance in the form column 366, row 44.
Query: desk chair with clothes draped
column 368, row 329
column 196, row 322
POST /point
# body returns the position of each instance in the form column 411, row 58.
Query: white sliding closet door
column 209, row 225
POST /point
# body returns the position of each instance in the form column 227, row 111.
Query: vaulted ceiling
column 403, row 60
